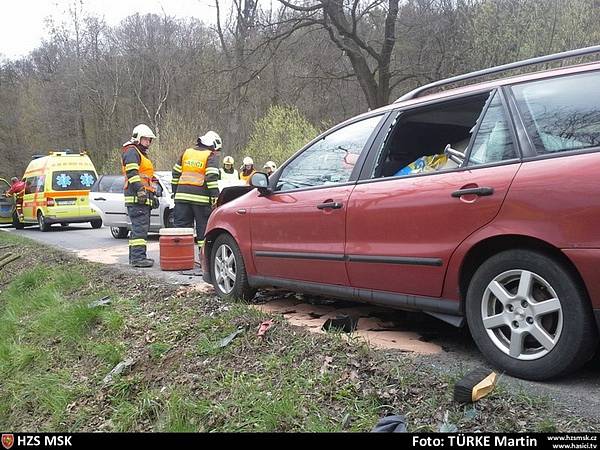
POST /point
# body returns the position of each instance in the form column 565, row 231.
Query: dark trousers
column 139, row 215
column 187, row 213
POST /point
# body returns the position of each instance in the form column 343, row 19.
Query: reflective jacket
column 138, row 171
column 196, row 176
column 229, row 176
column 245, row 177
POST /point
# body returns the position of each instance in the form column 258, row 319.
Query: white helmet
column 211, row 139
column 228, row 160
column 271, row 165
column 248, row 161
column 141, row 131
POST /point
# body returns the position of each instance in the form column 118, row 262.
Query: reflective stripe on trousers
column 139, row 215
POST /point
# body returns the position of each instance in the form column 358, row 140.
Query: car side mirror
column 260, row 181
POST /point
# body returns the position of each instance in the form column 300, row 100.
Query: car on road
column 478, row 204
column 7, row 204
column 108, row 199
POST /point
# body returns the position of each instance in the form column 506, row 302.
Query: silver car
column 107, row 198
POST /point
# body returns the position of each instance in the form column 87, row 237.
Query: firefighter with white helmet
column 195, row 183
column 228, row 173
column 139, row 192
column 270, row 167
column 247, row 170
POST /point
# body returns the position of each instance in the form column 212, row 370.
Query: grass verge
column 56, row 350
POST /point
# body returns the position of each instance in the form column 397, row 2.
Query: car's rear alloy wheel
column 119, row 232
column 228, row 269
column 529, row 316
column 44, row 226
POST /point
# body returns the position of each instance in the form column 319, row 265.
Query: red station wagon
column 478, row 204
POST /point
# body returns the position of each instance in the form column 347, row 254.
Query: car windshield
column 73, row 180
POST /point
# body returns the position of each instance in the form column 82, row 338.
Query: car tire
column 119, row 232
column 530, row 316
column 96, row 223
column 64, row 224
column 228, row 269
column 44, row 226
column 16, row 222
column 169, row 219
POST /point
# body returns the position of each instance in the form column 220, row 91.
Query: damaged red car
column 479, row 205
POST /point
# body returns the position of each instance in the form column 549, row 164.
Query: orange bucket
column 176, row 248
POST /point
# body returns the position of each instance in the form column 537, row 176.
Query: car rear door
column 402, row 230
column 108, row 196
column 298, row 232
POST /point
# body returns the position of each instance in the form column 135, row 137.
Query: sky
column 22, row 26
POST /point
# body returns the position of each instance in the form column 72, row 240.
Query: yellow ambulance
column 57, row 190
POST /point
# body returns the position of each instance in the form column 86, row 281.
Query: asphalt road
column 578, row 392
column 99, row 246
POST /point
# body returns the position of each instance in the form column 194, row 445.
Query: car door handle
column 330, row 205
column 481, row 192
column 101, row 199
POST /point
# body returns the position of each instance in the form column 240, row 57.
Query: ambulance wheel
column 16, row 222
column 44, row 226
column 96, row 223
column 119, row 232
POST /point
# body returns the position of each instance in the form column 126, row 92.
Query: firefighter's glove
column 142, row 197
column 155, row 201
column 213, row 202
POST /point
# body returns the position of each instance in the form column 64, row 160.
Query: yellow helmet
column 228, row 160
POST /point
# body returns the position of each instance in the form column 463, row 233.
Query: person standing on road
column 195, row 184
column 139, row 192
column 247, row 170
column 228, row 173
column 270, row 167
column 17, row 188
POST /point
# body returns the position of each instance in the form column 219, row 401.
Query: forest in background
column 267, row 79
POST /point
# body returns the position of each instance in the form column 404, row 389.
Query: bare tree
column 354, row 26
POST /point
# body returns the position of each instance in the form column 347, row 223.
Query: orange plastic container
column 176, row 248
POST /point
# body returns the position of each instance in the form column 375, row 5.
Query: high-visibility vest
column 145, row 171
column 193, row 167
column 234, row 176
column 246, row 178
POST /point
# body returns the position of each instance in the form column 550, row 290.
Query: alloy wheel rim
column 225, row 268
column 522, row 314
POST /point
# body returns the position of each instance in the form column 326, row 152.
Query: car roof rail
column 504, row 67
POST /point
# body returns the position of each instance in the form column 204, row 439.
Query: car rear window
column 110, row 184
column 561, row 114
column 73, row 180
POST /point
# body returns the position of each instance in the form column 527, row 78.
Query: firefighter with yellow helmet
column 228, row 173
column 195, row 184
column 139, row 192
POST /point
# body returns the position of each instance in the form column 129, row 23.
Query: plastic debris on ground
column 264, row 327
column 344, row 323
column 104, row 301
column 390, row 424
column 118, row 369
column 475, row 385
column 227, row 340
